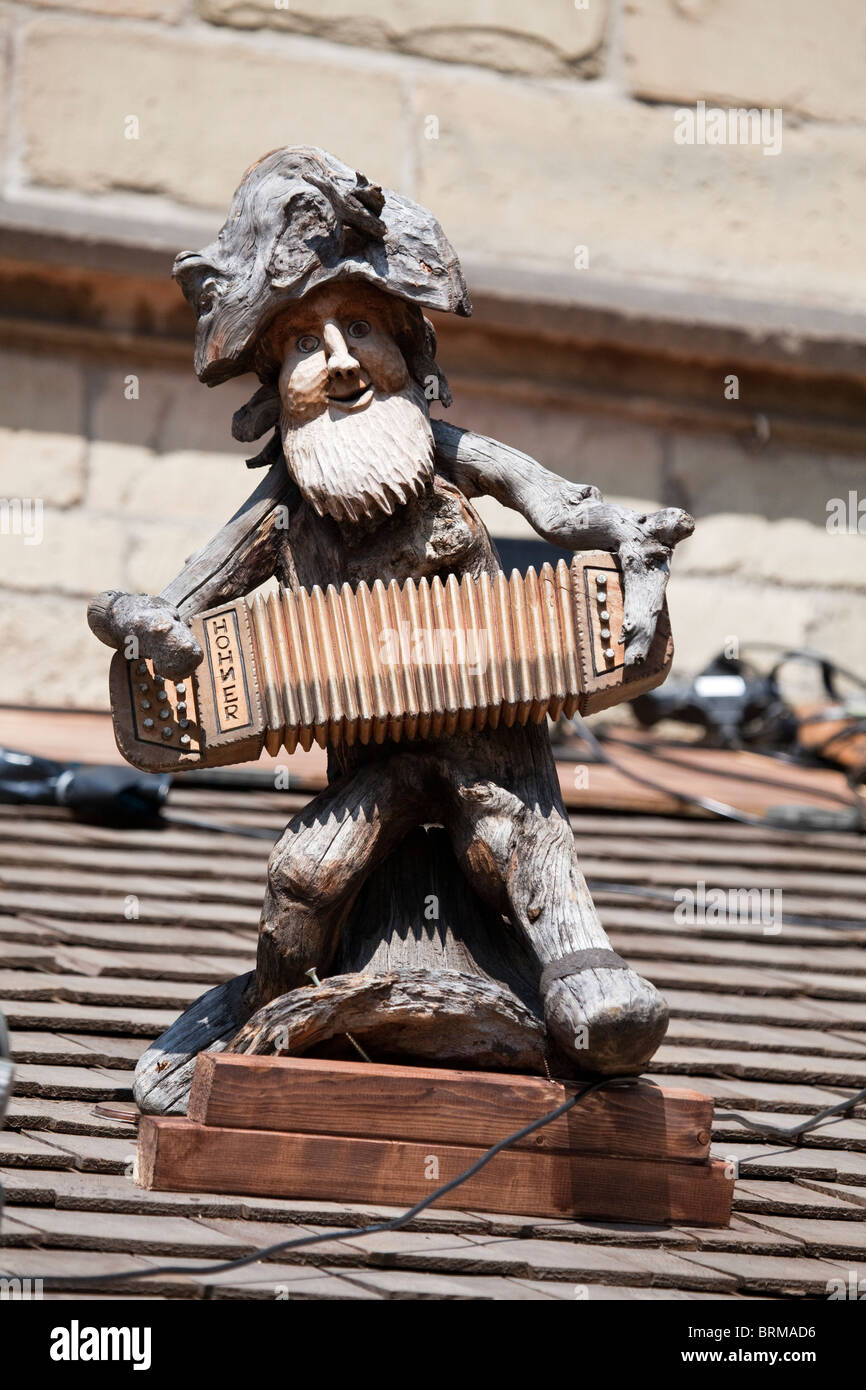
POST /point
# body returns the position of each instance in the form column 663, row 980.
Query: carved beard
column 351, row 466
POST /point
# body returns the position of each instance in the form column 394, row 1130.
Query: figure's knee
column 296, row 876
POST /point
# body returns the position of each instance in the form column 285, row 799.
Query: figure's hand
column 643, row 543
column 645, row 556
column 143, row 626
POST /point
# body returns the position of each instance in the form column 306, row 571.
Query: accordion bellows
column 374, row 663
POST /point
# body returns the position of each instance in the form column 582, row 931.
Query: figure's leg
column 512, row 835
column 319, row 866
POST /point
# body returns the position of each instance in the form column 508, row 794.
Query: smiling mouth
column 356, row 401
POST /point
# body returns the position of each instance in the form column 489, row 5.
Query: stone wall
column 622, row 278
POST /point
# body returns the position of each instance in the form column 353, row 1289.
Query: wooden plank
column 758, row 1095
column 773, row 952
column 79, row 989
column 773, row 1274
column 44, row 1049
column 737, row 1008
column 208, row 970
column 762, row 1066
column 838, row 1133
column 179, row 1155
column 785, row 1199
column 782, row 1161
column 73, row 1083
column 110, row 908
column 688, row 845
column 68, row 1116
column 18, row 878
column 65, row 1017
column 843, row 1240
column 47, row 931
column 750, row 1037
column 431, row 1105
column 635, row 913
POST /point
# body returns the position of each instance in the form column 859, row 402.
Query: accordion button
column 181, row 706
column 184, row 724
column 145, row 704
column 181, row 689
column 166, row 733
column 604, row 615
column 608, row 651
column 148, row 723
column 605, row 633
column 184, row 738
column 141, row 668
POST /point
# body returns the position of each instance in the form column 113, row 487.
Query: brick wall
column 532, row 131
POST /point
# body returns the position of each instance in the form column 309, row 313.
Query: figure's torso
column 438, row 533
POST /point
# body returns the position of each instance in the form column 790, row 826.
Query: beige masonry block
column 41, row 393
column 706, row 612
column 507, row 34
column 168, row 10
column 205, row 111
column 58, row 662
column 836, row 628
column 4, row 78
column 794, row 54
column 783, row 552
column 133, row 481
column 717, row 475
column 525, row 174
column 50, row 466
column 158, row 550
column 172, row 410
column 621, row 459
column 74, row 553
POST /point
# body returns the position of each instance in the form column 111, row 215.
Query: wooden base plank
column 181, row 1155
column 434, row 1105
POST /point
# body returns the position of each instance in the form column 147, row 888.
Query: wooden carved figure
column 429, row 902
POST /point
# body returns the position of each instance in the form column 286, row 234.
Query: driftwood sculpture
column 433, row 886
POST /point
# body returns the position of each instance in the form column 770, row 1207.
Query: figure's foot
column 164, row 1073
column 609, row 1021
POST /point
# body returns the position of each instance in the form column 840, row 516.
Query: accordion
column 402, row 661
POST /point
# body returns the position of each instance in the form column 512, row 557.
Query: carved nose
column 341, row 364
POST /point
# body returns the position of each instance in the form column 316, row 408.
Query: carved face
column 354, row 424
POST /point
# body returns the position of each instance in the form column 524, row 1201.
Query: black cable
column 715, row 808
column 795, row 1132
column 352, row 1232
column 755, row 778
column 254, row 832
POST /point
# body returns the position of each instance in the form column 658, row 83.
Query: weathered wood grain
column 179, row 1155
column 446, row 1015
column 304, row 1094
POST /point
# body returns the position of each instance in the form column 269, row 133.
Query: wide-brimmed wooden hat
column 298, row 219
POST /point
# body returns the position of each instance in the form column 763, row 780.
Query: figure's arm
column 575, row 516
column 241, row 556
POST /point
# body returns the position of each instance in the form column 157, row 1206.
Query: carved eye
column 206, row 296
column 359, row 329
column 307, row 342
